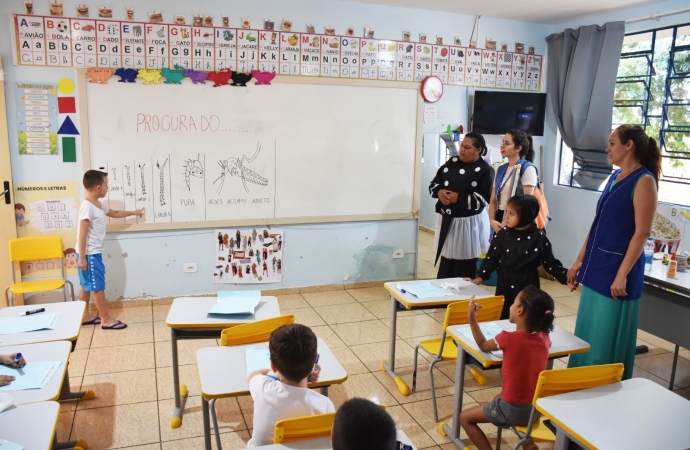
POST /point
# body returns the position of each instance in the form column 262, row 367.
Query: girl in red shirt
column 525, row 354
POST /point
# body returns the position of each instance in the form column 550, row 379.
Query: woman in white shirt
column 517, row 172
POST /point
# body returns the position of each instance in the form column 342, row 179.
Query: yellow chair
column 444, row 349
column 36, row 248
column 248, row 333
column 560, row 381
column 301, row 428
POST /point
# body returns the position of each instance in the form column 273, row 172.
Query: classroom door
column 8, row 228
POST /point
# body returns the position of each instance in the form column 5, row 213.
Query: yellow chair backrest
column 252, row 332
column 560, row 381
column 35, row 248
column 301, row 428
column 456, row 313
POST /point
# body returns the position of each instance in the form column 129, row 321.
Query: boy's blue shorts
column 93, row 278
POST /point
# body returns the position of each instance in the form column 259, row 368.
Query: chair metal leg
column 414, row 370
column 498, row 438
column 433, row 387
column 212, row 404
column 71, row 287
column 10, row 301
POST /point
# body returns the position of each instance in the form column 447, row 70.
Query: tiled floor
column 130, row 370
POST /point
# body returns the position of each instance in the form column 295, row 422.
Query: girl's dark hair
column 515, row 203
column 539, row 308
column 647, row 151
column 523, row 140
column 478, row 141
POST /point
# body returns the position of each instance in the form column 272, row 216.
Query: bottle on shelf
column 672, row 266
column 648, row 254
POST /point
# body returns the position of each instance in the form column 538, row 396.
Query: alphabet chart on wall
column 80, row 42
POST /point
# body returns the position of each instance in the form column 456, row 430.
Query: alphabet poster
column 37, row 119
column 48, row 209
column 247, row 256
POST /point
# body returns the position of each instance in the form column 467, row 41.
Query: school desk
column 188, row 318
column 636, row 413
column 33, row 426
column 66, row 329
column 665, row 309
column 58, row 387
column 324, row 443
column 223, row 373
column 409, row 301
column 563, row 343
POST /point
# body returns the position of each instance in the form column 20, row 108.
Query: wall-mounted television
column 497, row 111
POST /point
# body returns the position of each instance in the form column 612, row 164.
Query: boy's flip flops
column 95, row 321
column 116, row 326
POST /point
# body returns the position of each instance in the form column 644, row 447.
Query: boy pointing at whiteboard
column 90, row 239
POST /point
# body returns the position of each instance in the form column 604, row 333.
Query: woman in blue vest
column 610, row 265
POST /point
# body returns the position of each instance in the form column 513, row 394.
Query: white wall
column 315, row 254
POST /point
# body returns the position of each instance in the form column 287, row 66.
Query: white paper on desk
column 6, row 400
column 257, row 359
column 236, row 302
column 34, row 375
column 458, row 285
column 7, row 445
column 490, row 330
column 34, row 322
column 423, row 289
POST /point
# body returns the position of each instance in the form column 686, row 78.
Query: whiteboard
column 292, row 152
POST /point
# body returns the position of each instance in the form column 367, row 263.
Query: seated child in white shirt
column 282, row 392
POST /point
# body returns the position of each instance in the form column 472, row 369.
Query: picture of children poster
column 247, row 256
column 48, row 209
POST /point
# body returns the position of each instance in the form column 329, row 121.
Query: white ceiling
column 540, row 11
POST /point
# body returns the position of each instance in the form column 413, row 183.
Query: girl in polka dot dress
column 517, row 251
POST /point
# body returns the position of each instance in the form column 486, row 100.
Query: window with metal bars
column 653, row 91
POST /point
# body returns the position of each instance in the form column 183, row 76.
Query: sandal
column 116, row 326
column 95, row 321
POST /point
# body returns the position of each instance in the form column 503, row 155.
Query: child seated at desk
column 525, row 354
column 9, row 360
column 363, row 425
column 282, row 392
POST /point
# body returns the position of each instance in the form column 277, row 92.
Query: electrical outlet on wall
column 189, row 267
column 397, row 254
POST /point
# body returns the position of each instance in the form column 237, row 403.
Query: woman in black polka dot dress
column 463, row 188
column 517, row 251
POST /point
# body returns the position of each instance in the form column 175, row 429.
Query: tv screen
column 495, row 112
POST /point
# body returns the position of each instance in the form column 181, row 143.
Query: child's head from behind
column 362, row 425
column 293, row 351
column 95, row 180
column 521, row 211
column 534, row 308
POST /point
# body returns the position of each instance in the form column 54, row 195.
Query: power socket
column 397, row 254
column 189, row 267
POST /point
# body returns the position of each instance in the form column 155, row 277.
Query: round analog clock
column 432, row 89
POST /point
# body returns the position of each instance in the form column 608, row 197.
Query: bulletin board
column 300, row 150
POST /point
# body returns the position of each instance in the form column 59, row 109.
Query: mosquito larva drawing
column 143, row 179
column 192, row 168
column 235, row 167
column 161, row 170
column 129, row 176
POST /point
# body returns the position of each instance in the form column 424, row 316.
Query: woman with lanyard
column 610, row 265
column 463, row 187
column 518, row 171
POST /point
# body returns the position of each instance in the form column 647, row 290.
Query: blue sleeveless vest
column 609, row 237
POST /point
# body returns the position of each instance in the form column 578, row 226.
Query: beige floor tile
column 641, row 373
column 75, row 386
column 425, row 266
column 417, row 325
column 160, row 312
column 427, row 255
column 382, row 310
column 135, row 333
column 652, row 349
column 186, row 351
column 493, row 376
column 567, row 322
column 364, row 385
column 362, row 332
column 291, row 301
column 685, row 393
column 349, row 361
column 571, row 301
column 118, row 426
column 444, row 385
column 189, row 376
column 77, row 362
column 555, row 289
column 484, row 395
column 305, row 316
column 425, row 238
column 372, row 355
column 328, row 335
column 426, row 275
column 120, row 388
column 161, row 332
column 405, row 422
column 328, row 298
column 369, row 294
column 229, row 418
column 657, row 341
column 122, row 358
column 661, row 365
column 156, row 446
column 133, row 315
column 247, row 407
column 347, row 312
column 64, row 426
column 229, row 441
column 85, row 335
column 562, row 310
column 423, row 413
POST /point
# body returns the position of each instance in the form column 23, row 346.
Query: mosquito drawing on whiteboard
column 161, row 169
column 235, row 167
column 192, row 168
column 143, row 179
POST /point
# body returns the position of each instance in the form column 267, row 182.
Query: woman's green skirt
column 610, row 328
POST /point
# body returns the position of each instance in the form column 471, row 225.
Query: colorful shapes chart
column 66, row 86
